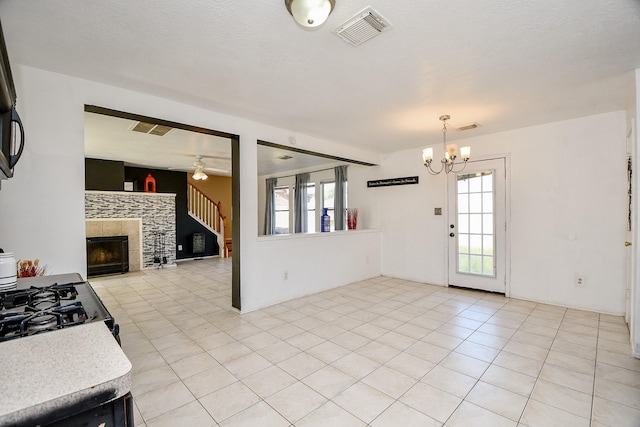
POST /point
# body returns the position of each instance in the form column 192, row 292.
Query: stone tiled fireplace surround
column 109, row 213
column 130, row 227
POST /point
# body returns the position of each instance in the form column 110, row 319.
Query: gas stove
column 45, row 304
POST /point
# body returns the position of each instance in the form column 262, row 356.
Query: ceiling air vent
column 151, row 128
column 362, row 27
column 468, row 127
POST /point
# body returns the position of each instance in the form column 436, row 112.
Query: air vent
column 362, row 27
column 151, row 128
column 468, row 127
column 160, row 130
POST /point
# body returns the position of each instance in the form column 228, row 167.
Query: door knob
column 627, row 243
column 451, row 234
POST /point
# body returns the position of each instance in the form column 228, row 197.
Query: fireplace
column 107, row 255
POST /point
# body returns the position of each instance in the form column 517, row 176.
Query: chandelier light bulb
column 427, row 155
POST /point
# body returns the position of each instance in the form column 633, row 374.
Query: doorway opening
column 166, row 148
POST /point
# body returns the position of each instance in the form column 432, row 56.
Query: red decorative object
column 150, row 184
column 352, row 218
column 28, row 268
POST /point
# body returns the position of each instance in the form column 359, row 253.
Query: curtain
column 300, row 202
column 340, row 200
column 270, row 207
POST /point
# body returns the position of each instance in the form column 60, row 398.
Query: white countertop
column 47, row 372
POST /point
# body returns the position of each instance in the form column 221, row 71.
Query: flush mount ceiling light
column 450, row 155
column 310, row 13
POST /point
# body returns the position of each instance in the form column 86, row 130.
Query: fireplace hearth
column 107, row 255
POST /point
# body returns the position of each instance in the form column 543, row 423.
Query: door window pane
column 463, row 262
column 475, row 203
column 463, row 223
column 475, row 244
column 487, row 202
column 463, row 203
column 475, row 224
column 475, row 264
column 487, row 245
column 475, row 184
column 463, row 243
column 487, row 224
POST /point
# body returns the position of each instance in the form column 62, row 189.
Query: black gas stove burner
column 47, row 305
column 30, row 322
column 39, row 298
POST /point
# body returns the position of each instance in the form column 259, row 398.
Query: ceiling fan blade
column 216, row 170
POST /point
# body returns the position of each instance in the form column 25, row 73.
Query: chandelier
column 310, row 13
column 447, row 163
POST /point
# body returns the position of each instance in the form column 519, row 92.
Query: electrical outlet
column 179, row 247
column 285, row 275
column 580, row 280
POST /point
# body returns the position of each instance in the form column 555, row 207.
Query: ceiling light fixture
column 450, row 155
column 198, row 174
column 310, row 13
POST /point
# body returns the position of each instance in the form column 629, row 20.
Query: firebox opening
column 107, row 255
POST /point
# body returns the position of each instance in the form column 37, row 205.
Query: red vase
column 150, row 184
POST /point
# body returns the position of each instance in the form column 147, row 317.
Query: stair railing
column 208, row 213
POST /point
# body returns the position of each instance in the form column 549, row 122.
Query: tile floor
column 381, row 352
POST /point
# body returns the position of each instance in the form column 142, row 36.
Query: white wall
column 634, row 271
column 42, row 207
column 312, row 263
column 568, row 212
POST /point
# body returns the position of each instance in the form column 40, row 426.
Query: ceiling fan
column 199, row 167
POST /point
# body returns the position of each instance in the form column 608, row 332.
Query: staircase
column 207, row 212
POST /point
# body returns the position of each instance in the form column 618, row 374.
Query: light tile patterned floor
column 381, row 352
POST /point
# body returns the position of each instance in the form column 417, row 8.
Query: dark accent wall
column 175, row 182
column 166, row 182
column 104, row 175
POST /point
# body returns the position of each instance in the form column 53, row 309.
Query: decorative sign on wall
column 392, row 181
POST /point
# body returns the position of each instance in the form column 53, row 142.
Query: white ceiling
column 502, row 63
column 111, row 138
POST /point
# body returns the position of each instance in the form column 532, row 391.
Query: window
column 328, row 199
column 320, row 195
column 281, row 195
column 311, row 207
column 476, row 224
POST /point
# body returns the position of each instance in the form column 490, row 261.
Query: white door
column 477, row 226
